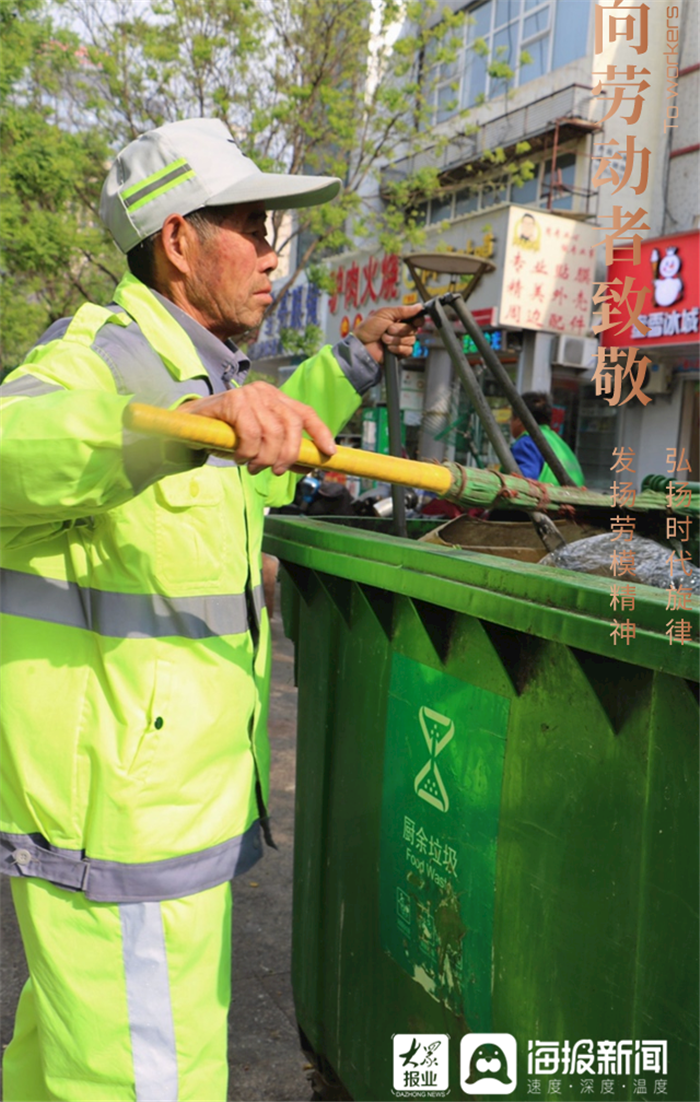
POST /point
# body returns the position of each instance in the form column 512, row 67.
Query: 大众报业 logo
column 488, row 1063
column 421, row 1062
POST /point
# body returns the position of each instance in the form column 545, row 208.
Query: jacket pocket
column 192, row 540
column 141, row 749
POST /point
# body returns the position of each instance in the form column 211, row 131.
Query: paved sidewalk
column 264, row 1055
column 265, row 1061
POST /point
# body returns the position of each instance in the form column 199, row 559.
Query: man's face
column 527, row 227
column 229, row 284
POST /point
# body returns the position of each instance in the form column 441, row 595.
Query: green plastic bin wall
column 496, row 810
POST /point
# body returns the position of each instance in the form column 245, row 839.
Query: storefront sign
column 365, row 281
column 548, row 273
column 542, row 280
column 497, row 338
column 658, row 301
column 485, row 318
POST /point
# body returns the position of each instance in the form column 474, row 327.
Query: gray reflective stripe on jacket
column 55, row 331
column 359, row 368
column 138, row 369
column 258, row 600
column 149, row 1007
column 119, row 882
column 124, row 615
column 219, row 461
column 27, row 386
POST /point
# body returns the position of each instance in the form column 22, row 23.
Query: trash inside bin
column 510, row 539
column 496, row 819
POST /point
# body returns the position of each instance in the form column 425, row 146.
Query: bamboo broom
column 464, row 486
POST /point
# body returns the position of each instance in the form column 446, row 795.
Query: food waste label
column 443, row 769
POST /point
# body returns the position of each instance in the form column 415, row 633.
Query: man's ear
column 179, row 241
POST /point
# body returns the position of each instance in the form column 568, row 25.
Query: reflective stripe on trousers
column 123, row 1001
column 148, row 999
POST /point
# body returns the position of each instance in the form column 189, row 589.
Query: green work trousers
column 124, row 1001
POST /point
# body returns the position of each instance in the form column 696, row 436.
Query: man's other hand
column 389, row 328
column 267, row 423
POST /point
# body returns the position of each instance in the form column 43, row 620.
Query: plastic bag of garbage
column 652, row 561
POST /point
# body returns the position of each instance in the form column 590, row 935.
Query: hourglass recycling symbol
column 437, row 731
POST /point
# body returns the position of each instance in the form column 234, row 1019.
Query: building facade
column 548, row 73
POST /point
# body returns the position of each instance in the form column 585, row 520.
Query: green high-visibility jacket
column 565, row 456
column 136, row 645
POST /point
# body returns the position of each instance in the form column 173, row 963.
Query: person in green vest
column 526, row 453
column 134, row 762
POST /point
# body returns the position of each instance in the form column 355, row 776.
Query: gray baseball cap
column 186, row 165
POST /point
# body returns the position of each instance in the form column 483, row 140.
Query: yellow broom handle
column 218, row 436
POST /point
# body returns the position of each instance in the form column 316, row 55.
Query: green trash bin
column 496, row 824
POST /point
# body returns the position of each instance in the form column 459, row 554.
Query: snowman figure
column 668, row 286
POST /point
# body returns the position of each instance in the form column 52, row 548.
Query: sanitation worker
column 135, row 762
column 525, row 451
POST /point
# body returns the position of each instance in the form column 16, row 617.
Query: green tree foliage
column 302, row 344
column 305, row 85
column 54, row 252
column 309, row 86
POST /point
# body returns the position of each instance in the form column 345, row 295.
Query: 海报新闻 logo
column 488, row 1063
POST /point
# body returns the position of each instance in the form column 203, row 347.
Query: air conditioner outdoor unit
column 575, row 352
column 659, row 380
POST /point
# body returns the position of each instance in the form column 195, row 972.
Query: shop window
column 495, row 193
column 570, row 31
column 466, row 200
column 441, row 207
column 550, row 32
column 447, row 102
column 566, row 176
column 536, row 24
column 595, row 437
column 527, row 191
column 488, row 193
column 538, row 64
column 504, row 46
column 481, row 14
column 477, row 79
column 505, row 10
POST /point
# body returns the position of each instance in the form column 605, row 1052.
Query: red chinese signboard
column 658, row 301
column 366, row 285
